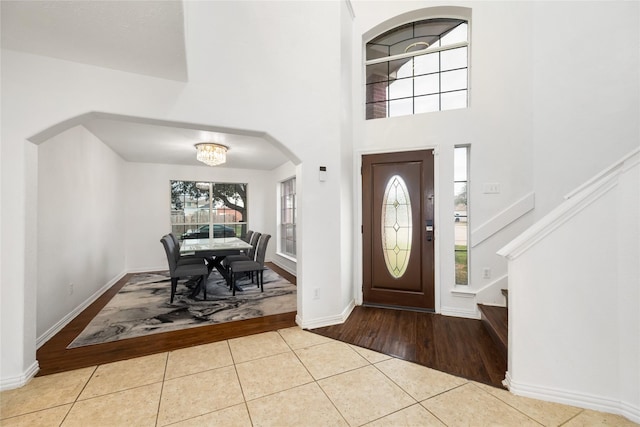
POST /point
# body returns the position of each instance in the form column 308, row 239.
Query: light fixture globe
column 211, row 154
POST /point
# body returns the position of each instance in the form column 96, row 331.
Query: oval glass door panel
column 396, row 226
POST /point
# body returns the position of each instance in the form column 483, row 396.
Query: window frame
column 283, row 236
column 210, row 211
column 370, row 90
column 461, row 218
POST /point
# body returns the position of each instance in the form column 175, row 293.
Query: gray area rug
column 142, row 306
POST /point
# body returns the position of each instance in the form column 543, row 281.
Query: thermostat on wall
column 323, row 173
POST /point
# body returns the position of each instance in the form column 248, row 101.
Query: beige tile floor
column 286, row 378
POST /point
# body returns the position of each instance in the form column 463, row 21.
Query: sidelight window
column 461, row 213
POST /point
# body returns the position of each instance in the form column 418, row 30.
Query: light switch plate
column 491, row 188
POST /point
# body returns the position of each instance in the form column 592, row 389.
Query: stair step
column 505, row 292
column 496, row 320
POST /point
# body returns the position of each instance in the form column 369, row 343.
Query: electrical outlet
column 486, row 273
column 70, row 288
column 316, row 293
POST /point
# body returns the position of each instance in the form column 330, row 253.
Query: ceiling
column 153, row 143
column 144, row 37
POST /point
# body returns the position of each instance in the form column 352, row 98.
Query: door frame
column 357, row 238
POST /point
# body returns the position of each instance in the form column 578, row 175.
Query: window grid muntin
column 461, row 252
column 210, row 214
column 412, row 79
column 434, row 36
column 376, row 107
column 288, row 212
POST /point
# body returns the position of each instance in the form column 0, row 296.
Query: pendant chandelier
column 211, row 154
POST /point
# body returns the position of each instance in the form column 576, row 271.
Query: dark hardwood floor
column 461, row 347
column 458, row 346
column 54, row 356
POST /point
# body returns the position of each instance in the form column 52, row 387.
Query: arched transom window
column 417, row 68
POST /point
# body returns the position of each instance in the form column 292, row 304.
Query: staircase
column 495, row 320
column 559, row 258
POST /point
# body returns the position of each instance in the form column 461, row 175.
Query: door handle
column 428, row 228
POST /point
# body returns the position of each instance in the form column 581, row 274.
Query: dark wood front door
column 398, row 229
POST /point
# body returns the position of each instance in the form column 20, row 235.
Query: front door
column 398, row 229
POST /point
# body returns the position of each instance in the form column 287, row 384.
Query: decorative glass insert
column 396, row 226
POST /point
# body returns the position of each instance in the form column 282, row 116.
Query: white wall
column 550, row 106
column 348, row 223
column 497, row 126
column 586, row 92
column 628, row 303
column 270, row 67
column 545, row 114
column 148, row 200
column 574, row 323
column 80, row 223
column 281, row 73
column 522, row 133
column 37, row 93
column 90, row 221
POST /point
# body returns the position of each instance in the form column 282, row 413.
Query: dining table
column 214, row 250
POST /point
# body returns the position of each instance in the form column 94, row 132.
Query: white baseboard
column 19, row 381
column 507, row 380
column 460, row 312
column 284, row 267
column 164, row 267
column 630, row 411
column 70, row 316
column 326, row 321
column 491, row 294
column 580, row 400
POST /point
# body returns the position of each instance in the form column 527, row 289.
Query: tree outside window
column 208, row 209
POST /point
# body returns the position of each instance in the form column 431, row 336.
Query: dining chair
column 247, row 237
column 177, row 271
column 257, row 266
column 202, row 256
column 184, row 259
column 249, row 256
